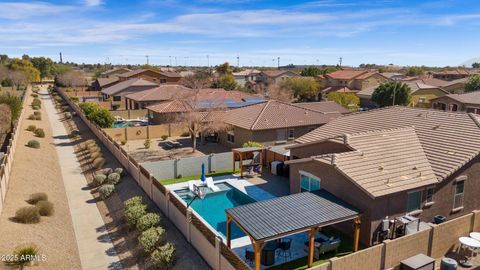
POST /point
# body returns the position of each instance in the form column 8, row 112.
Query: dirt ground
column 37, row 170
column 122, row 236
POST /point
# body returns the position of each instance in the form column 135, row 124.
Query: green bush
column 135, row 200
column 163, row 256
column 95, row 155
column 93, row 149
column 65, row 108
column 31, row 128
column 39, row 133
column 150, row 238
column 37, row 113
column 133, row 213
column 185, row 134
column 75, row 99
column 147, row 143
column 31, row 117
column 164, row 137
column 14, row 103
column 120, row 171
column 106, row 190
column 107, row 171
column 36, row 197
column 68, row 115
column 74, row 134
column 99, row 179
column 23, row 255
column 113, row 178
column 45, row 208
column 101, row 116
column 33, row 144
column 148, row 221
column 98, row 162
column 36, row 102
column 27, row 215
column 36, row 108
column 34, row 95
column 38, row 117
column 123, row 142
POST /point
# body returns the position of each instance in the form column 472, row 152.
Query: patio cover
column 302, row 212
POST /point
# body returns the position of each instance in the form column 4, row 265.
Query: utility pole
column 61, row 60
column 278, row 62
column 340, row 60
column 238, row 61
column 147, row 59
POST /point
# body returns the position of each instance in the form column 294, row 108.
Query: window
column 429, row 195
column 421, row 100
column 230, row 136
column 312, row 128
column 291, row 133
column 117, row 98
column 458, row 194
column 163, row 80
column 309, row 182
column 414, row 201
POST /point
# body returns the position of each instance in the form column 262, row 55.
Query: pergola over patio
column 246, row 153
column 302, row 212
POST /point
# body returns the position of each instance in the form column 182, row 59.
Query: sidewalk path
column 94, row 245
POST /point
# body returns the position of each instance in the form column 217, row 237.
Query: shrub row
column 41, row 207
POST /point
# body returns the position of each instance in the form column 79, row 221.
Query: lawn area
column 196, row 177
column 346, row 247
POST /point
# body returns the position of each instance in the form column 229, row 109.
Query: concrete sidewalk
column 94, row 245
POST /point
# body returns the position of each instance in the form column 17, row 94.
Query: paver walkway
column 94, row 245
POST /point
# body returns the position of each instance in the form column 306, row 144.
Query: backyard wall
column 146, row 132
column 130, row 114
column 7, row 161
column 434, row 242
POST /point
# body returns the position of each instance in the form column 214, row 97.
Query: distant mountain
column 469, row 62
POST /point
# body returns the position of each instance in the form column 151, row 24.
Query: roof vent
column 419, row 115
column 436, row 127
column 415, row 168
column 380, row 168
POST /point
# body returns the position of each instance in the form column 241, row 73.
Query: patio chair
column 284, row 249
column 249, row 256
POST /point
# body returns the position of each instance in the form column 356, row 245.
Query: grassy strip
column 196, row 177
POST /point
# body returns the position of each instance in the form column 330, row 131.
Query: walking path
column 94, row 245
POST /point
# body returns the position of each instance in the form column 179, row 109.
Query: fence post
column 218, row 248
column 210, row 158
column 175, row 167
column 189, row 224
column 167, row 202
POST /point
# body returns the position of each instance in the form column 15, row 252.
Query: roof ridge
column 261, row 112
column 474, row 118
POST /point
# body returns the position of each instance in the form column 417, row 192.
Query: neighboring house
column 208, row 100
column 324, row 107
column 365, row 97
column 468, row 102
column 450, row 75
column 456, row 86
column 244, row 76
column 164, row 92
column 102, row 83
column 391, row 162
column 270, row 123
column 269, row 78
column 394, row 76
column 114, row 72
column 118, row 91
column 351, row 81
column 158, row 77
column 422, row 94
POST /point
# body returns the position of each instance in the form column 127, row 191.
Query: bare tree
column 280, row 93
column 18, row 78
column 5, row 119
column 200, row 79
column 3, row 73
column 72, row 78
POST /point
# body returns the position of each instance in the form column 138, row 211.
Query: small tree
column 304, row 89
column 225, row 81
column 473, row 83
column 15, row 105
column 150, row 238
column 252, row 144
column 311, row 71
column 347, row 100
column 392, row 93
column 163, row 256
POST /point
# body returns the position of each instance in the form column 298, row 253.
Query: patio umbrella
column 203, row 173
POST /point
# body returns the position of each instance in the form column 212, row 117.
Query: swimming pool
column 129, row 123
column 212, row 207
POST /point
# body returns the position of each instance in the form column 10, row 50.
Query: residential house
column 114, row 72
column 422, row 94
column 118, row 91
column 324, row 107
column 164, row 92
column 450, row 75
column 102, row 83
column 394, row 76
column 351, row 81
column 244, row 76
column 468, row 102
column 271, row 123
column 455, row 86
column 158, row 77
column 269, row 78
column 391, row 162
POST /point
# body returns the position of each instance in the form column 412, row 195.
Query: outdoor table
column 471, row 244
column 475, row 235
column 268, row 253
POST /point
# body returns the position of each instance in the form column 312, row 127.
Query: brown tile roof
column 161, row 93
column 102, row 82
column 173, row 106
column 274, row 114
column 383, row 161
column 324, row 107
column 139, row 71
column 466, row 98
column 276, row 73
column 434, row 82
column 122, row 86
column 340, row 89
column 449, row 140
column 346, row 74
column 454, row 72
column 113, row 70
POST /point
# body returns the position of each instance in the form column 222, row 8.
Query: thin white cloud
column 25, row 10
column 93, row 3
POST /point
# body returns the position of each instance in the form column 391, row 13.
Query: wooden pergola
column 248, row 153
column 273, row 219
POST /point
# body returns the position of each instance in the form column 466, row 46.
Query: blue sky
column 303, row 32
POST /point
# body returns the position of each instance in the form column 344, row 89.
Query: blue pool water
column 131, row 123
column 212, row 207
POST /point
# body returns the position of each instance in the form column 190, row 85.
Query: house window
column 291, row 133
column 117, row 98
column 458, row 195
column 429, row 195
column 312, row 128
column 414, row 201
column 421, row 100
column 163, row 80
column 309, row 182
column 230, row 136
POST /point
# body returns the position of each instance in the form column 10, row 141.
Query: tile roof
column 121, row 86
column 434, row 82
column 346, row 74
column 273, row 218
column 139, row 71
column 461, row 81
column 113, row 70
column 161, row 93
column 340, row 89
column 246, row 72
column 449, row 140
column 274, row 114
column 324, row 107
column 276, row 73
column 106, row 81
column 454, row 72
column 383, row 161
column 467, row 98
column 172, row 106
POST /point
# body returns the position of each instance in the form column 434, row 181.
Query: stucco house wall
column 427, row 95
